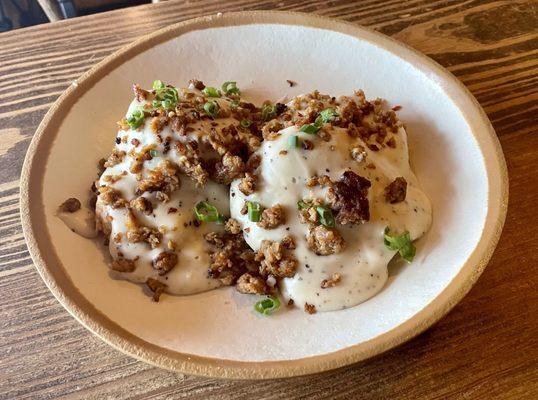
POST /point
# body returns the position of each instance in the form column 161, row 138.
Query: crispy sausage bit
column 248, row 283
column 163, row 179
column 233, row 226
column 101, row 166
column 396, row 191
column 272, row 217
column 142, row 204
column 139, row 234
column 190, row 163
column 358, row 153
column 312, row 181
column 111, row 197
column 310, row 308
column 288, row 242
column 197, row 84
column 70, row 205
column 164, row 262
column 229, row 168
column 271, row 129
column 123, row 265
column 230, row 257
column 115, row 158
column 325, row 241
column 248, row 184
column 156, row 287
column 275, row 260
column 333, row 281
column 158, row 123
column 308, row 215
column 140, row 93
column 349, row 198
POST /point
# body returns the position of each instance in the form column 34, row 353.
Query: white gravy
column 363, row 263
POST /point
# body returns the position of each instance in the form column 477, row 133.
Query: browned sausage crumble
column 227, row 151
column 71, row 205
column 396, row 191
column 156, row 287
column 349, row 199
column 325, row 241
column 272, row 217
column 310, row 308
column 331, row 282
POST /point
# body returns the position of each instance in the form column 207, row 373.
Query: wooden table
column 486, row 348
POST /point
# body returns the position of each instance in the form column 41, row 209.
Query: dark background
column 21, row 13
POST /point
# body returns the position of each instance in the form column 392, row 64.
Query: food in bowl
column 307, row 200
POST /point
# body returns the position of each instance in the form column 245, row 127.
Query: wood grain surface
column 486, row 348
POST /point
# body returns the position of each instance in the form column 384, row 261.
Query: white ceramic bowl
column 454, row 152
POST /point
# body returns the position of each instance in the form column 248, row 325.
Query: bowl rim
column 51, row 270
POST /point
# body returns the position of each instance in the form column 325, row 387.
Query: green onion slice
column 158, row 85
column 402, row 243
column 268, row 112
column 206, row 212
column 254, row 211
column 293, row 141
column 211, row 91
column 325, row 216
column 166, row 97
column 211, row 108
column 324, row 117
column 229, row 87
column 311, row 129
column 245, row 123
column 267, row 306
column 153, row 153
column 234, row 104
column 167, row 104
column 301, row 205
column 327, row 115
column 136, row 119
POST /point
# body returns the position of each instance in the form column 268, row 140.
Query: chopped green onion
column 167, row 104
column 166, row 97
column 211, row 108
column 402, row 243
column 268, row 112
column 211, row 91
column 301, row 205
column 311, row 129
column 158, row 85
column 267, row 306
column 245, row 123
column 230, row 88
column 293, row 141
column 234, row 104
column 325, row 216
column 136, row 119
column 254, row 211
column 206, row 212
column 221, row 219
column 327, row 115
column 153, row 153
